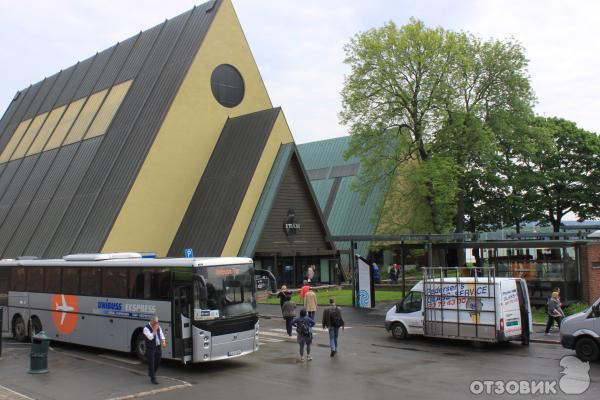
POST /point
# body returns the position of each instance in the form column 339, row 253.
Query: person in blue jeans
column 333, row 321
column 303, row 325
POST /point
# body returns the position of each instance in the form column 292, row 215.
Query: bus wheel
column 587, row 349
column 36, row 326
column 19, row 330
column 139, row 346
column 398, row 331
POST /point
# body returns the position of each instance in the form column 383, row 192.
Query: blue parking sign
column 189, row 253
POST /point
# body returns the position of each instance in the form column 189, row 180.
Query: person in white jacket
column 155, row 342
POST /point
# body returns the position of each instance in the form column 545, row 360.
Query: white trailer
column 481, row 309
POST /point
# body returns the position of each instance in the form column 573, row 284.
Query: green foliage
column 428, row 110
column 563, row 171
column 575, row 308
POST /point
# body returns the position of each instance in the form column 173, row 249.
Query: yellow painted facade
column 14, row 141
column 280, row 134
column 29, row 136
column 159, row 198
column 81, row 119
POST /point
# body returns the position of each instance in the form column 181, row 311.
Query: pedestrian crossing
column 278, row 335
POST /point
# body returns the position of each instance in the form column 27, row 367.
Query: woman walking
column 304, row 326
column 555, row 312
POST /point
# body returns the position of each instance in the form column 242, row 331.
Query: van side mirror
column 399, row 307
column 596, row 311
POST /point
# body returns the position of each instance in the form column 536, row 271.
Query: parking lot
column 370, row 364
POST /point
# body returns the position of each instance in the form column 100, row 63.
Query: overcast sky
column 298, row 45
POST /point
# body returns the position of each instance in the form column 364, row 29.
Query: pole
column 352, row 274
column 403, row 274
column 429, row 255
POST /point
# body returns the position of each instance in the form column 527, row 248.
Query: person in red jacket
column 305, row 288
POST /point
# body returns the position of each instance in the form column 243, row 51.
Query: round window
column 227, row 85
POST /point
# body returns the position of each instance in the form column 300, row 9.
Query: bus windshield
column 229, row 292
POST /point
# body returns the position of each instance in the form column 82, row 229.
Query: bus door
column 182, row 323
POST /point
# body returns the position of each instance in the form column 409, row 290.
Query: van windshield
column 412, row 302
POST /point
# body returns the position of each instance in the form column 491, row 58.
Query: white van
column 482, row 309
column 581, row 332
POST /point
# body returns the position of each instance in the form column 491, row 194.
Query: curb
column 545, row 341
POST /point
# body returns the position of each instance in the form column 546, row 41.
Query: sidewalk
column 75, row 375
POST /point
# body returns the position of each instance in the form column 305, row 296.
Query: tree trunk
column 518, row 226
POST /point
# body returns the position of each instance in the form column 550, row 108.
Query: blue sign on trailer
column 189, row 253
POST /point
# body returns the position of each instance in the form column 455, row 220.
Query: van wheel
column 139, row 346
column 19, row 330
column 398, row 331
column 587, row 349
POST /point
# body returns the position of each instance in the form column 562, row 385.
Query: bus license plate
column 234, row 353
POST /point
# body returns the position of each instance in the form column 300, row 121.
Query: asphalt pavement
column 370, row 364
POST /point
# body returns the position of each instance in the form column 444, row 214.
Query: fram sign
column 65, row 314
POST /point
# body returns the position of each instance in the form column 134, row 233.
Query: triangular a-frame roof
column 288, row 179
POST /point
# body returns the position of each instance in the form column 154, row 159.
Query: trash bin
column 39, row 353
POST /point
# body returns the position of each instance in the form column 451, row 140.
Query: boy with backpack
column 304, row 325
column 332, row 319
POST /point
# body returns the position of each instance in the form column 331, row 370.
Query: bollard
column 39, row 353
column 1, row 328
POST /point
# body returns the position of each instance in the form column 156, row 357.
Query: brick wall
column 590, row 272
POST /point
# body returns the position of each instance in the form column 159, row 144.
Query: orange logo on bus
column 65, row 317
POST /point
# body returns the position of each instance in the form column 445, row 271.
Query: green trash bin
column 39, row 353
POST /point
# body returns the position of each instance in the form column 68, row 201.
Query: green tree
column 564, row 171
column 391, row 101
column 487, row 78
column 423, row 96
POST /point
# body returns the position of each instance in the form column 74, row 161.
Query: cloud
column 298, row 46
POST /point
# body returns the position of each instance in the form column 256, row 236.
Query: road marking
column 151, row 392
column 21, row 395
column 274, row 334
column 182, row 383
column 120, row 359
column 272, row 340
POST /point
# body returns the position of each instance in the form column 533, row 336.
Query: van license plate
column 234, row 353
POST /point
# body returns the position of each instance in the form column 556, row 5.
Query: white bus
column 206, row 306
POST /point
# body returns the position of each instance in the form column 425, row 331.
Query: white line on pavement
column 271, row 340
column 151, row 392
column 182, row 383
column 21, row 395
column 121, row 359
column 274, row 334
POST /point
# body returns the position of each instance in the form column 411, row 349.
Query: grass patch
column 343, row 297
column 541, row 317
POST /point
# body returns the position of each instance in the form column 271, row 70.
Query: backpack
column 335, row 318
column 302, row 328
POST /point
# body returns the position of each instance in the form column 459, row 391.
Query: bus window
column 52, row 280
column 17, row 279
column 160, row 285
column 90, row 281
column 35, row 279
column 136, row 283
column 4, row 275
column 114, row 282
column 70, row 280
